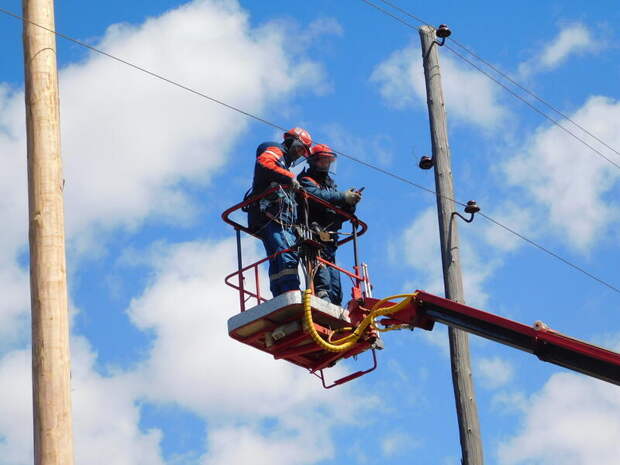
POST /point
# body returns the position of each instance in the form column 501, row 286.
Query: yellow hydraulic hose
column 313, row 332
column 388, row 310
column 349, row 341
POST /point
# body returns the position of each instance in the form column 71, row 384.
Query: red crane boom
column 301, row 328
column 548, row 345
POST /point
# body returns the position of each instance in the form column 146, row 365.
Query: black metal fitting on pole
column 426, row 162
column 472, row 208
column 443, row 31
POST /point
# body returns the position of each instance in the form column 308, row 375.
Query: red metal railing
column 245, row 294
column 349, row 216
column 353, row 276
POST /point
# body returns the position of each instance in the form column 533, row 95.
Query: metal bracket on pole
column 443, row 31
column 472, row 208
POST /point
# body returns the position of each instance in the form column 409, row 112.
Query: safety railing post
column 258, row 297
column 355, row 256
column 240, row 268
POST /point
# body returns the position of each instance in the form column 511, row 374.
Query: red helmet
column 300, row 134
column 321, row 158
column 322, row 150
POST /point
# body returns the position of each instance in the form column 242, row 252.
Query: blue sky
column 149, row 169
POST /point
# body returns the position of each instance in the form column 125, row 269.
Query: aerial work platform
column 314, row 334
column 278, row 328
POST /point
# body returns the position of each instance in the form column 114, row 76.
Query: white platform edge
column 284, row 300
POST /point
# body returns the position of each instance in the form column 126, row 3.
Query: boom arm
column 548, row 345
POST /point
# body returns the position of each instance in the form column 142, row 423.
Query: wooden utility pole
column 53, row 443
column 467, row 412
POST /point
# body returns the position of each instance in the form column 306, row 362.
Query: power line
column 537, row 110
column 144, row 70
column 276, row 126
column 386, row 12
column 505, row 76
column 540, row 99
column 553, row 254
column 408, row 13
column 513, row 93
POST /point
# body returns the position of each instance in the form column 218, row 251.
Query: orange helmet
column 298, row 143
column 300, row 134
column 322, row 157
column 322, row 150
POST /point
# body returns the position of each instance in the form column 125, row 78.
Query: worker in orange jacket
column 272, row 219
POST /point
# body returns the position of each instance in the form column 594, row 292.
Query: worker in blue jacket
column 272, row 218
column 317, row 181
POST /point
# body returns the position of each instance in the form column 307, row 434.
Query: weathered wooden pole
column 467, row 412
column 53, row 443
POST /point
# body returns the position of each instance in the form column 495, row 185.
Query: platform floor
column 283, row 309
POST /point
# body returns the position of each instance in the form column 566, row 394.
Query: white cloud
column 375, row 148
column 569, row 181
column 15, row 409
column 187, row 307
column 14, row 303
column 142, row 136
column 574, row 420
column 194, row 365
column 573, row 39
column 494, row 372
column 470, row 97
column 318, row 29
column 422, row 252
column 438, row 338
column 509, row 402
column 398, row 444
column 516, row 216
column 246, row 445
column 130, row 140
column 608, row 340
column 105, row 414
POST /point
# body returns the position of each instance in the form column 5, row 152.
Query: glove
column 351, row 197
column 295, row 186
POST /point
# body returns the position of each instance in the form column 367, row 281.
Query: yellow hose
column 313, row 332
column 349, row 341
column 388, row 310
column 339, row 330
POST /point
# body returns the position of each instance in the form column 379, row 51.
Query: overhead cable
column 537, row 110
column 501, row 84
column 276, row 126
column 505, row 76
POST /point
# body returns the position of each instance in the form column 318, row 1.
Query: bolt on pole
column 52, row 427
column 467, row 411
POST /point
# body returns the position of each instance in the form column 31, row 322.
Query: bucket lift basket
column 277, row 326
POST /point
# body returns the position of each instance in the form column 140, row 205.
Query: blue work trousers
column 327, row 278
column 283, row 274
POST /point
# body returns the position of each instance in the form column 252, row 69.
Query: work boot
column 323, row 294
